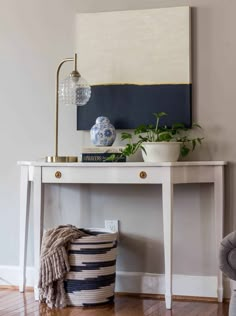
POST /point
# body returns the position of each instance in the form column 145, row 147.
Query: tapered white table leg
column 38, row 225
column 24, row 219
column 167, row 198
column 219, row 220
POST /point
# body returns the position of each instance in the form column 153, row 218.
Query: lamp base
column 61, row 159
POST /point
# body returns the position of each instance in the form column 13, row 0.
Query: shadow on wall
column 140, row 250
column 67, row 204
column 229, row 216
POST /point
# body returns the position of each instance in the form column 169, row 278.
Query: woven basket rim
column 105, row 231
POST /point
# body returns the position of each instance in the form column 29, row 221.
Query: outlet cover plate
column 112, row 224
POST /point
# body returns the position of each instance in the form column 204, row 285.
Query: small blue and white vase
column 103, row 133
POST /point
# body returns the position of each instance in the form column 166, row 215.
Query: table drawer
column 102, row 175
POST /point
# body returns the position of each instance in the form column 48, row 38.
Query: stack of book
column 101, row 154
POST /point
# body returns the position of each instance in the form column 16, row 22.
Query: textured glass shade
column 74, row 91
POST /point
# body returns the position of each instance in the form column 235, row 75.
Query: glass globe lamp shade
column 74, row 91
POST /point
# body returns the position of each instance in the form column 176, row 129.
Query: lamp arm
column 57, row 102
column 74, row 76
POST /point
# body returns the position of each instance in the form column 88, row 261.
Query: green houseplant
column 160, row 143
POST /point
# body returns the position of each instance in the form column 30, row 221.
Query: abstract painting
column 137, row 63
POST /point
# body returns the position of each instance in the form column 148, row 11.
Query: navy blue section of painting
column 128, row 106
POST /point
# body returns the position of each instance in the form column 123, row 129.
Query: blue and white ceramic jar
column 103, row 133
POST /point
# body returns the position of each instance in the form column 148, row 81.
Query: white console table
column 166, row 174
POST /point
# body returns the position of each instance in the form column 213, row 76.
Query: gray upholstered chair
column 227, row 256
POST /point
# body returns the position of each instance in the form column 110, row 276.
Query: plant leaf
column 179, row 126
column 143, row 138
column 143, row 149
column 126, row 136
column 196, row 125
column 111, row 158
column 141, row 129
column 160, row 114
column 194, row 142
column 199, row 140
column 165, row 136
column 184, row 151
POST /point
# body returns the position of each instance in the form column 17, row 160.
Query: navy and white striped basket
column 92, row 258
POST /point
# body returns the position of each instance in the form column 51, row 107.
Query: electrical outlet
column 112, row 224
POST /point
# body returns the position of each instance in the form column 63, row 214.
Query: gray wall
column 34, row 36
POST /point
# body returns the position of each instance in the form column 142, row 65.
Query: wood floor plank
column 13, row 303
column 29, row 306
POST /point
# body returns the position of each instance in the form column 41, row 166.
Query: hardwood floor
column 13, row 303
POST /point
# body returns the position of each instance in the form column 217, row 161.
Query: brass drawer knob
column 58, row 174
column 143, row 174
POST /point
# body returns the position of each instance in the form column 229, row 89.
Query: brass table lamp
column 74, row 90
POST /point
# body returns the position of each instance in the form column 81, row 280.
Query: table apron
column 116, row 175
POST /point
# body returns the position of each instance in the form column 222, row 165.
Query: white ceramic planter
column 161, row 151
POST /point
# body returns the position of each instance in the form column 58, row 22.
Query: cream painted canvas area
column 136, row 61
column 143, row 46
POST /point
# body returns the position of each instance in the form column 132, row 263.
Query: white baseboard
column 9, row 276
column 185, row 285
column 138, row 282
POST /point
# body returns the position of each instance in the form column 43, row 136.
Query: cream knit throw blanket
column 54, row 264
